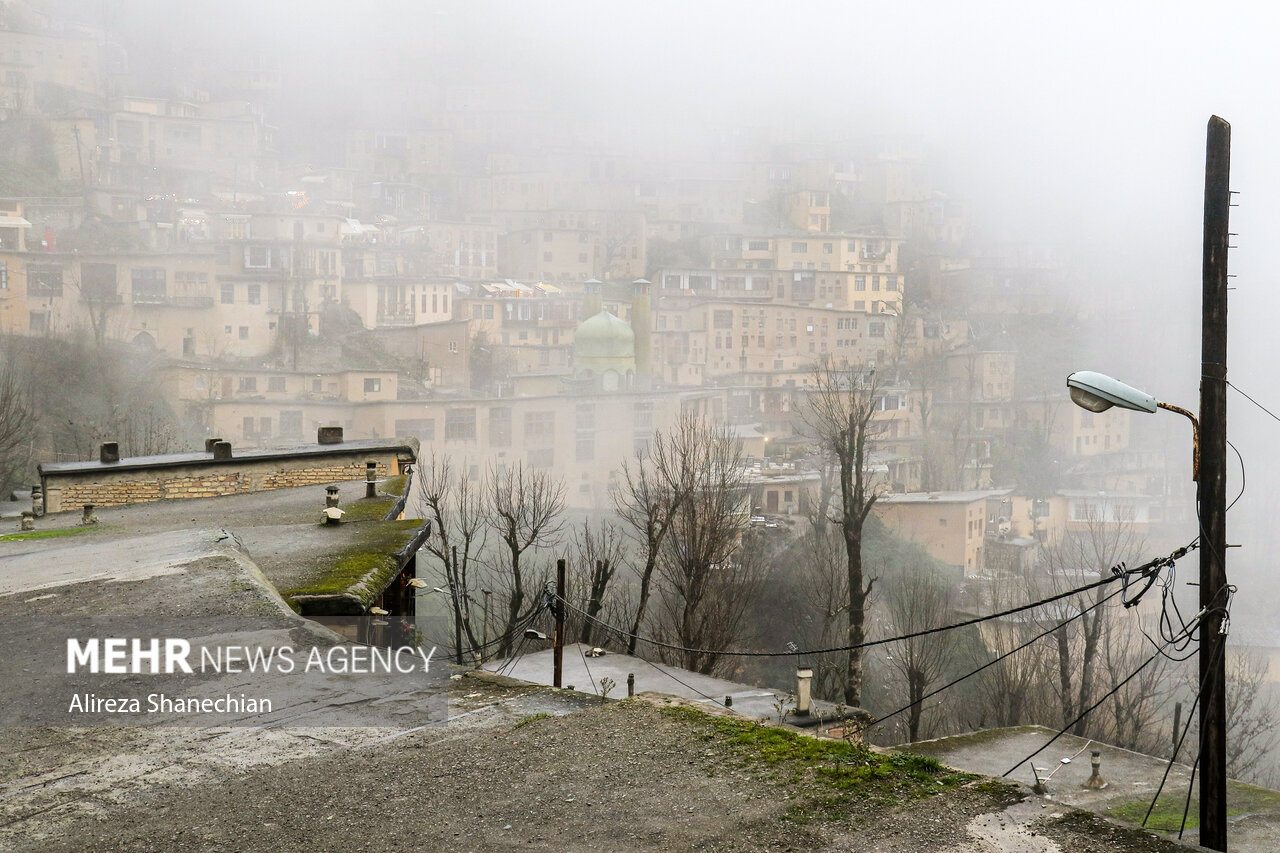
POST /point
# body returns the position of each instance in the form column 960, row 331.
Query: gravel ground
column 623, row 776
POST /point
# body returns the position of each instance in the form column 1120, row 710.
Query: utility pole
column 558, row 644
column 1212, row 488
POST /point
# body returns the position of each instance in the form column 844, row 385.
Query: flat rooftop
column 133, row 463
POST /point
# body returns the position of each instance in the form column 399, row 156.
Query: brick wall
column 114, row 488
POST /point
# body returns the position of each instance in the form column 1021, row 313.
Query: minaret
column 641, row 321
column 592, row 303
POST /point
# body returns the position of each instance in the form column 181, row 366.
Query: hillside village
column 452, row 277
column 369, row 367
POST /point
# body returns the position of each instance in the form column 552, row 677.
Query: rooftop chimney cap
column 109, row 452
column 329, row 435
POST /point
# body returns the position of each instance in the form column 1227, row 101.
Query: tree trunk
column 651, row 560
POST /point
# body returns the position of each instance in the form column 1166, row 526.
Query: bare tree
column 17, row 411
column 452, row 502
column 1097, row 544
column 524, row 508
column 1252, row 709
column 600, row 549
column 916, row 599
column 710, row 577
column 653, row 487
column 841, row 416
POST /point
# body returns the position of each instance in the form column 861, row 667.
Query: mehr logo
column 119, row 656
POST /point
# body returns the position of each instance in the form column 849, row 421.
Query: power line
column 1085, row 712
column 1118, row 573
column 1251, row 400
column 1178, row 748
column 997, row 660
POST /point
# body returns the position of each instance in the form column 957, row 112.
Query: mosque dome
column 604, row 336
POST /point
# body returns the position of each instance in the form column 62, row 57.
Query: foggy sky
column 1080, row 125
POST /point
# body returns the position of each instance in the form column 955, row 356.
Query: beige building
column 697, row 341
column 583, row 436
column 552, row 254
column 951, row 526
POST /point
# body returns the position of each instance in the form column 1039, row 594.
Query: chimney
column 804, row 675
column 330, row 496
column 109, row 452
column 222, row 450
column 329, row 435
column 209, row 444
column 371, row 479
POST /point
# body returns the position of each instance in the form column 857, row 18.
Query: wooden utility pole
column 558, row 646
column 1212, row 488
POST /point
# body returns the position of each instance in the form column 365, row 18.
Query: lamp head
column 1098, row 392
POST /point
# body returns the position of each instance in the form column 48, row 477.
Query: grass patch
column 532, row 718
column 43, row 534
column 825, row 765
column 1077, row 825
column 395, row 485
column 1167, row 814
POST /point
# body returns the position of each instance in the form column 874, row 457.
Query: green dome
column 604, row 336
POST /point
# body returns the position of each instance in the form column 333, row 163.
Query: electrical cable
column 1085, row 713
column 996, row 660
column 1145, row 569
column 1186, row 807
column 1178, row 746
column 1251, row 400
column 688, row 686
column 587, row 667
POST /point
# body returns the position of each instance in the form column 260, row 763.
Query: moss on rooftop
column 362, row 567
column 823, row 766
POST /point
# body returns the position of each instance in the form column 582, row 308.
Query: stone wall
column 70, row 491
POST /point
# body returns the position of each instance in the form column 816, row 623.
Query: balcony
column 404, row 318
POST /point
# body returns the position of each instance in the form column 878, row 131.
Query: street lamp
column 1098, row 392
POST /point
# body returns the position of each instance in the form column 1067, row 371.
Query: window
column 539, row 427
column 546, row 257
column 291, row 423
column 257, row 257
column 859, row 282
column 643, row 415
column 500, row 427
column 758, row 246
column 255, row 294
column 42, row 280
column 148, row 284
column 453, row 346
column 827, row 248
column 799, row 248
column 722, row 320
column 275, row 383
column 585, row 416
column 228, row 294
column 372, row 386
column 585, row 447
column 875, row 330
column 248, row 427
column 248, row 383
column 543, row 457
column 460, row 425
column 244, row 333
